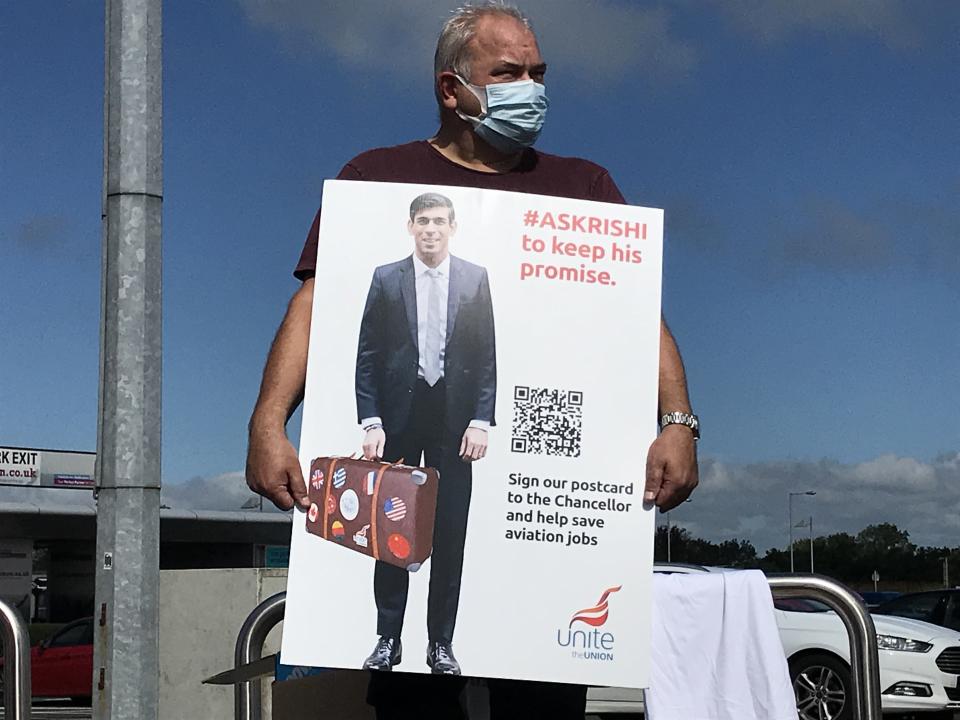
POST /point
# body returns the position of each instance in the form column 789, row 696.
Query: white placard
column 557, row 561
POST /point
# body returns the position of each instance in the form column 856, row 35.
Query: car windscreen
column 805, row 605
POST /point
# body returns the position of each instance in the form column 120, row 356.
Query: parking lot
column 53, row 711
column 43, row 711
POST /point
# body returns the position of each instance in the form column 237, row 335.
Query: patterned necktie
column 436, row 335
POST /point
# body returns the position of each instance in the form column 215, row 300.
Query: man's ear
column 447, row 89
column 410, row 226
column 453, row 227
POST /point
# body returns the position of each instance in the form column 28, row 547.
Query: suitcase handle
column 359, row 456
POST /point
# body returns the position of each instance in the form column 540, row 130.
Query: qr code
column 547, row 421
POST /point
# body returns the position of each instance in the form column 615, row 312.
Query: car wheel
column 821, row 684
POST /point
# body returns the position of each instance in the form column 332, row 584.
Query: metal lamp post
column 668, row 537
column 668, row 530
column 808, row 524
column 127, row 588
column 790, row 518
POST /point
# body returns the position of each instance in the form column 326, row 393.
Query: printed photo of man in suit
column 426, row 385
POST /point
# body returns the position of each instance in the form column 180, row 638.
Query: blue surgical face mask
column 512, row 113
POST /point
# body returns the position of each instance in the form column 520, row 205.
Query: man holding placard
column 488, row 80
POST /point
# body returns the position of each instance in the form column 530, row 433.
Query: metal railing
column 864, row 658
column 259, row 623
column 16, row 664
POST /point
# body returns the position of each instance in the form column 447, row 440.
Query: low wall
column 201, row 612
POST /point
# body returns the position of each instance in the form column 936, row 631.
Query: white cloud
column 895, row 473
column 390, row 37
column 769, row 21
column 744, row 526
column 744, row 501
column 750, row 501
column 606, row 41
column 716, row 475
column 48, row 496
column 599, row 42
column 226, row 491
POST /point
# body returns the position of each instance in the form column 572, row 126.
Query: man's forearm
column 273, row 469
column 672, row 472
column 281, row 390
column 673, row 381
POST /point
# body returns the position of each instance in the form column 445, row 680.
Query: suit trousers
column 427, row 436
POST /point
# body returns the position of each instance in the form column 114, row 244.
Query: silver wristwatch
column 681, row 418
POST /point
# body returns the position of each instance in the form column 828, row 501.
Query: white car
column 919, row 663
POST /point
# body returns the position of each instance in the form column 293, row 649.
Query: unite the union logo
column 593, row 643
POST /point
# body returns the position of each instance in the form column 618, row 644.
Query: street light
column 790, row 518
column 667, row 513
column 252, row 503
column 808, row 524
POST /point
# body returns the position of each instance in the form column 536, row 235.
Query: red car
column 62, row 665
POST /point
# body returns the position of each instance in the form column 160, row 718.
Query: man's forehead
column 505, row 38
column 434, row 212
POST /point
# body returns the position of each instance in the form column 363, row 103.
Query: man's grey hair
column 428, row 201
column 452, row 54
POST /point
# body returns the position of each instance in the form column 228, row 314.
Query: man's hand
column 474, row 444
column 273, row 470
column 373, row 443
column 671, row 467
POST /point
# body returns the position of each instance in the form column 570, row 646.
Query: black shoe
column 385, row 655
column 441, row 660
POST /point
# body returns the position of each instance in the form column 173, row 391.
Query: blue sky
column 807, row 156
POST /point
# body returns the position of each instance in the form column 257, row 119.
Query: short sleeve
column 307, row 266
column 605, row 189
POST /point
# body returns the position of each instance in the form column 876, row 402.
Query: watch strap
column 681, row 418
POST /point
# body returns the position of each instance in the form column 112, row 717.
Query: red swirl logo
column 597, row 615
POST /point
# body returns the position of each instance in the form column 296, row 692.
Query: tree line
column 852, row 559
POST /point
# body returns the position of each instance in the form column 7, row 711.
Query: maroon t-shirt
column 418, row 162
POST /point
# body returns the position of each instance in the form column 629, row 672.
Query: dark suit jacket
column 388, row 354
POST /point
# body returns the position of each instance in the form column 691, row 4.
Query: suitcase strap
column 326, row 497
column 374, row 506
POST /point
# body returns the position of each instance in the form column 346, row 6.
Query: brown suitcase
column 383, row 510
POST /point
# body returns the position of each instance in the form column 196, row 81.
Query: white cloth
column 715, row 650
column 441, row 287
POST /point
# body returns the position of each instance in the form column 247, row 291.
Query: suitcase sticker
column 382, row 510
